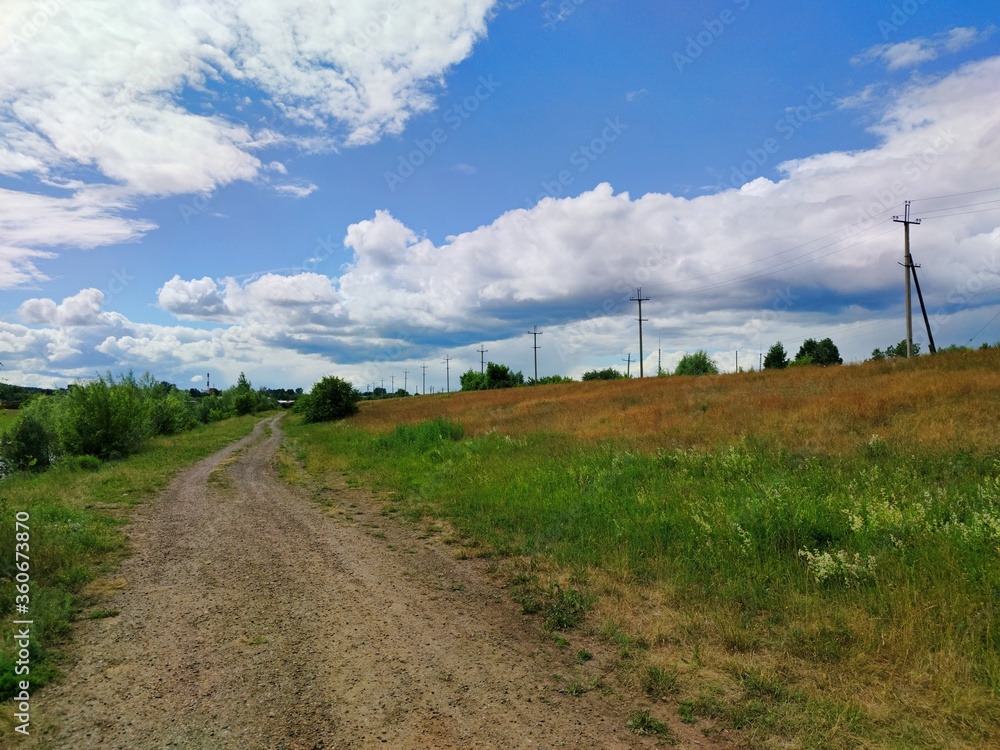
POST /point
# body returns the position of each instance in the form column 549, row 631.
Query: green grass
column 76, row 514
column 7, row 419
column 880, row 566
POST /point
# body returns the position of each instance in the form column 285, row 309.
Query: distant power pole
column 423, row 388
column 907, row 264
column 628, row 366
column 392, row 383
column 659, row 355
column 640, row 299
column 482, row 358
column 737, row 360
column 536, row 333
column 447, row 372
column 405, row 373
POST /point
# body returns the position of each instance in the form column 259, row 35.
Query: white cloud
column 631, row 96
column 727, row 271
column 296, row 191
column 112, row 91
column 914, row 52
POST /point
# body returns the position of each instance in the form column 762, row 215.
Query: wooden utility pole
column 423, row 387
column 447, row 373
column 536, row 333
column 405, row 373
column 482, row 358
column 628, row 366
column 923, row 309
column 640, row 299
column 907, row 264
column 737, row 361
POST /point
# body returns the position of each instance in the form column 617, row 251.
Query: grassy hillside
column 809, row 558
column 942, row 401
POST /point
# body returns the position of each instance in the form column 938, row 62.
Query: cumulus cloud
column 814, row 253
column 110, row 93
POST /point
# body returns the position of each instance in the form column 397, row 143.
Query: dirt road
column 251, row 618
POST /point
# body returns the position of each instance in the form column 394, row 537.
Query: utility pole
column 628, row 366
column 383, row 389
column 923, row 309
column 392, row 383
column 405, row 373
column 536, row 333
column 482, row 358
column 907, row 264
column 659, row 356
column 423, row 388
column 737, row 361
column 640, row 299
column 447, row 372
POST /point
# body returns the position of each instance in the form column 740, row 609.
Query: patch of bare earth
column 250, row 618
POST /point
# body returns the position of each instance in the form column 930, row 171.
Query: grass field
column 810, row 558
column 75, row 540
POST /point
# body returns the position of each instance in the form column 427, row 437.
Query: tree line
column 111, row 418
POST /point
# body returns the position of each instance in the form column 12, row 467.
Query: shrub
column 473, row 381
column 105, row 418
column 331, row 398
column 245, row 399
column 501, row 376
column 30, row 444
column 609, row 373
column 698, row 363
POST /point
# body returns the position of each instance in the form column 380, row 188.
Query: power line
column 955, row 195
column 482, row 360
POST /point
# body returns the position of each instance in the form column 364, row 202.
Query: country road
column 251, row 617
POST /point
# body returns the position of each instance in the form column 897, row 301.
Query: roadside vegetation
column 808, row 557
column 77, row 510
column 108, row 418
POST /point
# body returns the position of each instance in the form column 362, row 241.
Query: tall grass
column 840, row 597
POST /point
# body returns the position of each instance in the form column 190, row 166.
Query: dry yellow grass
column 947, row 401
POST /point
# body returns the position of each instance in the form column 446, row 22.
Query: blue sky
column 297, row 188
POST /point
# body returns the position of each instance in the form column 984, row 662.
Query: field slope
column 805, row 558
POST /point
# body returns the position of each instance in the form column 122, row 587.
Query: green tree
column 609, row 373
column 245, row 398
column 331, row 398
column 473, row 381
column 899, row 350
column 822, row 353
column 776, row 358
column 698, row 363
column 501, row 376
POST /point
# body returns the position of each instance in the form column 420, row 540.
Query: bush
column 331, row 398
column 473, row 381
column 609, row 373
column 30, row 444
column 698, row 363
column 106, row 419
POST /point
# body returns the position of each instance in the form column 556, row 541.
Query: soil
column 251, row 616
